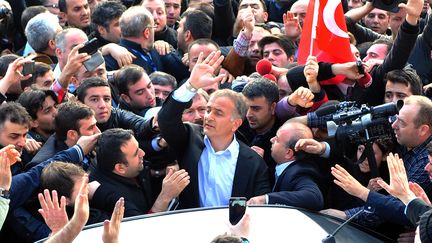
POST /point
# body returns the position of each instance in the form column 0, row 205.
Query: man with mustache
column 76, row 13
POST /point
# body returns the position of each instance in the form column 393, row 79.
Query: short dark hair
column 68, row 117
column 108, row 148
column 30, row 12
column 163, row 79
column 262, row 3
column 406, row 76
column 60, row 176
column 62, row 6
column 105, row 12
column 126, row 76
column 203, row 41
column 40, row 69
column 33, row 100
column 5, row 61
column 88, row 83
column 198, row 23
column 383, row 40
column 260, row 87
column 15, row 113
column 287, row 45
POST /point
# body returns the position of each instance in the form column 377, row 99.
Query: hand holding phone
column 237, row 208
column 360, row 67
column 28, row 68
column 90, row 46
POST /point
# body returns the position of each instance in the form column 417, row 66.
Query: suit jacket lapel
column 240, row 180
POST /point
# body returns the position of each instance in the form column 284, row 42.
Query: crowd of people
column 121, row 108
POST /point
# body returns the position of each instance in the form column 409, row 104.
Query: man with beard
column 76, row 13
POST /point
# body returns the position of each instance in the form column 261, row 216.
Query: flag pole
column 314, row 25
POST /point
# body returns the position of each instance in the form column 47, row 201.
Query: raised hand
column 202, row 74
column 291, row 25
column 5, row 171
column 399, row 186
column 349, row 183
column 419, row 192
column 112, row 227
column 54, row 214
column 310, row 145
column 88, row 143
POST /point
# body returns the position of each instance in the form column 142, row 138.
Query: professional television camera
column 352, row 124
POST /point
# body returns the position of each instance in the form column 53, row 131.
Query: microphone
column 263, row 67
column 365, row 81
column 331, row 237
column 270, row 76
column 326, row 110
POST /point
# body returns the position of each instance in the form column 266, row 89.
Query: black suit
column 187, row 140
column 415, row 209
column 298, row 186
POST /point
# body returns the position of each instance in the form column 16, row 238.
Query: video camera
column 352, row 124
column 360, row 124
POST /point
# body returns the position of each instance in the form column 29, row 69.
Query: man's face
column 276, row 55
column 46, row 115
column 141, row 94
column 260, row 114
column 87, row 126
column 379, row 157
column 407, row 133
column 113, row 33
column 377, row 20
column 396, row 19
column 376, row 52
column 218, row 119
column 257, row 10
column 52, row 6
column 354, row 4
column 13, row 133
column 78, row 13
column 196, row 49
column 72, row 39
column 299, row 10
column 92, row 4
column 278, row 149
column 44, row 82
column 134, row 157
column 99, row 100
column 195, row 114
column 181, row 41
column 157, row 8
column 162, row 91
column 82, row 74
column 254, row 52
column 396, row 91
column 173, row 8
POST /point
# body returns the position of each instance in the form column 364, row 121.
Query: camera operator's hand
column 349, row 183
column 310, row 145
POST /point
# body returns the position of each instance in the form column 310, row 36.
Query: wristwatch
column 190, row 87
column 4, row 193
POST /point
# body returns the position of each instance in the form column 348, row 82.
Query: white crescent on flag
column 329, row 20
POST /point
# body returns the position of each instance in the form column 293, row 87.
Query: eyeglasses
column 51, row 5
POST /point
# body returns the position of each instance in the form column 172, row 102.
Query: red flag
column 331, row 43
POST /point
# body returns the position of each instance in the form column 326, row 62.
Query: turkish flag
column 331, row 42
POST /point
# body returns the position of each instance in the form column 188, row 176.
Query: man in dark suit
column 219, row 165
column 296, row 178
